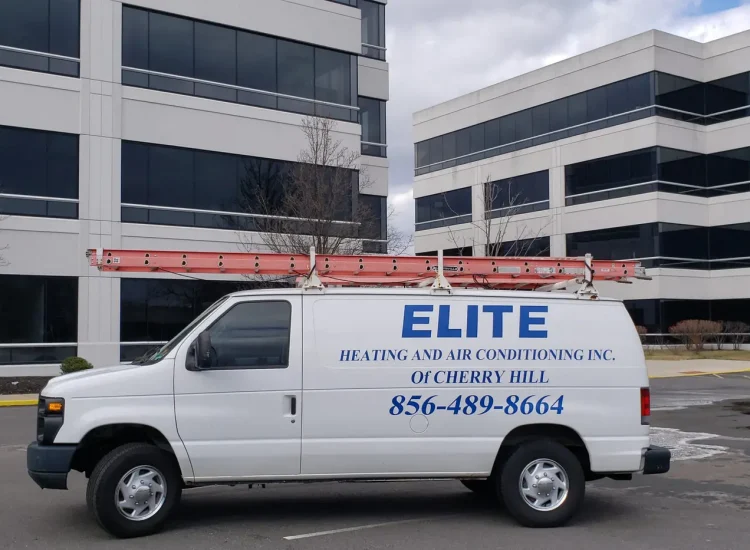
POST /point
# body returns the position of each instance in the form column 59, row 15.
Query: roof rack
column 442, row 274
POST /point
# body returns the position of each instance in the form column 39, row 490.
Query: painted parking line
column 362, row 527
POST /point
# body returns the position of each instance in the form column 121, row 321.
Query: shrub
column 642, row 332
column 735, row 333
column 694, row 333
column 75, row 364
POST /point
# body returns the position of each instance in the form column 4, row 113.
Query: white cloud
column 440, row 49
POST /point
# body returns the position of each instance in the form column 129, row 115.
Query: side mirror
column 199, row 354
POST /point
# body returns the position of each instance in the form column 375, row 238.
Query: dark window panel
column 463, row 142
column 682, row 167
column 540, row 119
column 373, row 28
column 531, row 247
column 641, row 91
column 508, row 129
column 679, row 93
column 728, row 167
column 596, row 103
column 476, row 138
column 558, row 115
column 171, row 44
column 296, row 69
column 444, row 205
column 422, row 153
column 577, row 109
column 523, row 125
column 618, row 99
column 333, row 77
column 215, row 53
column 171, row 177
column 25, row 24
column 23, row 169
column 134, row 173
column 492, row 134
column 449, row 146
column 62, row 166
column 256, row 61
column 134, row 38
column 216, row 182
column 64, row 23
column 518, row 191
column 728, row 93
column 618, row 243
column 44, row 309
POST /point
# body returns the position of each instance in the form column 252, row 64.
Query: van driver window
column 252, row 335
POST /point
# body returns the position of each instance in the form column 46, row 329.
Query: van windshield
column 159, row 354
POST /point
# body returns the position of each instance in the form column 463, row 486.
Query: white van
column 523, row 395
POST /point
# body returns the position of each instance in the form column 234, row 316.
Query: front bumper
column 656, row 460
column 49, row 465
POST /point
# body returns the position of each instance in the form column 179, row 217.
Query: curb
column 20, row 403
column 681, row 375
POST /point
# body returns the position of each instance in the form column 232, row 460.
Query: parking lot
column 703, row 502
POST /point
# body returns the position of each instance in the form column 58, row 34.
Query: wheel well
column 561, row 434
column 100, row 441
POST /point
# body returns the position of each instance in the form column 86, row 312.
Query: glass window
column 640, row 91
column 449, row 146
column 38, row 163
column 216, row 182
column 518, row 191
column 134, row 178
column 373, row 29
column 532, row 247
column 679, row 93
column 577, row 109
column 25, row 24
column 523, row 125
column 296, row 69
column 618, row 100
column 372, row 118
column 611, row 172
column 170, row 44
column 540, row 119
column 332, row 77
column 45, row 309
column 476, row 138
column 436, row 149
column 728, row 167
column 256, row 68
column 617, row 243
column 508, row 129
column 170, row 177
column 463, row 142
column 422, row 153
column 372, row 208
column 64, row 22
column 134, row 38
column 215, row 53
column 596, row 103
column 558, row 115
column 681, row 166
column 444, row 205
column 492, row 133
column 252, row 335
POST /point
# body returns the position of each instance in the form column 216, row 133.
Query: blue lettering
column 475, row 376
column 345, row 355
column 499, row 376
column 608, row 355
column 464, row 376
column 515, row 376
column 410, row 319
column 355, row 355
column 487, row 377
column 497, row 318
column 403, row 355
column 444, row 321
column 481, row 354
column 437, row 374
column 452, row 377
column 527, row 321
column 417, row 377
column 472, row 322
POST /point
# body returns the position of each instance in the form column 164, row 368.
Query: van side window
column 252, row 335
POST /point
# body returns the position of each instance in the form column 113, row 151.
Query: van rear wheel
column 542, row 484
column 133, row 489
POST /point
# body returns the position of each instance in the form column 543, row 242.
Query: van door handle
column 294, row 405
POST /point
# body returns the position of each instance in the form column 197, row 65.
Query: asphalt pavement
column 703, row 502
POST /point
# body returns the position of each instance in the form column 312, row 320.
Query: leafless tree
column 311, row 202
column 498, row 231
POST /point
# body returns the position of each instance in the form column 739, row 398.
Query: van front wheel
column 542, row 484
column 133, row 489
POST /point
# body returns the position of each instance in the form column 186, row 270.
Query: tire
column 547, row 512
column 103, row 489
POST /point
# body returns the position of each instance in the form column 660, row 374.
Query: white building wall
column 103, row 112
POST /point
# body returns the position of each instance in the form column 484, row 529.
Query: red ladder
column 317, row 270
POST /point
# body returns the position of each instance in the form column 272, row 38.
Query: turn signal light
column 55, row 407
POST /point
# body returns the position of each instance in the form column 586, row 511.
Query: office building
column 132, row 124
column 639, row 149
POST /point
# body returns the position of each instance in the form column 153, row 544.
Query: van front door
column 239, row 415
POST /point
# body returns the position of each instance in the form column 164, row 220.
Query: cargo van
column 521, row 396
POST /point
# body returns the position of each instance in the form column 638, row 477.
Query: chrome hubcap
column 141, row 493
column 544, row 485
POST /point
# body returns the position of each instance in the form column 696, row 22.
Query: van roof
column 396, row 291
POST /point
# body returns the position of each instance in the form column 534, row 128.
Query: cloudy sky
column 440, row 49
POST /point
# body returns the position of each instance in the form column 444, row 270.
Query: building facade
column 639, row 149
column 133, row 124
